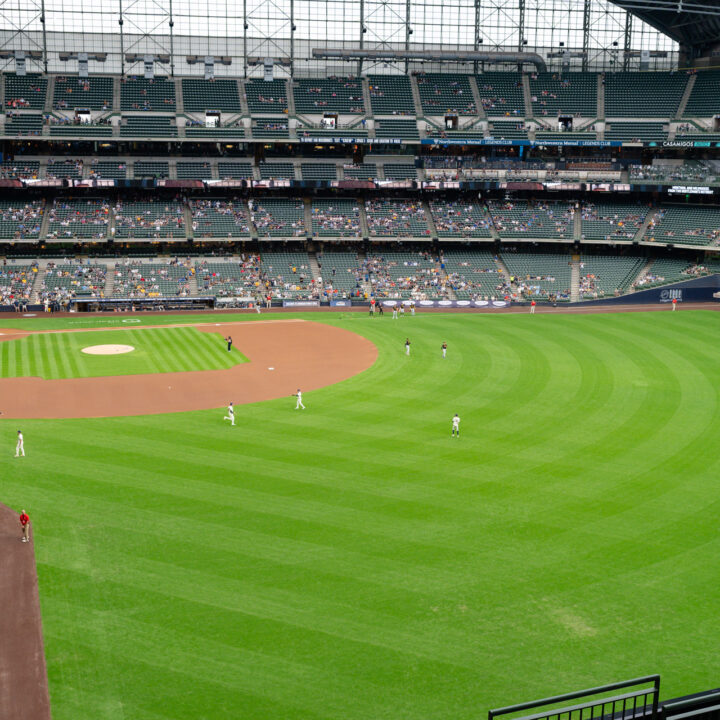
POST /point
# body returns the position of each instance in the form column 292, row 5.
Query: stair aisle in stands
column 575, row 279
column 116, row 101
column 313, row 264
column 640, row 235
column 416, row 97
column 38, row 282
column 367, row 99
column 109, row 281
column 193, row 285
column 502, row 267
column 364, row 229
column 430, row 219
column 308, row 215
column 601, row 96
column 476, row 97
column 189, row 233
column 643, row 272
column 692, row 79
column 45, row 224
column 179, row 101
column 527, row 96
column 577, row 225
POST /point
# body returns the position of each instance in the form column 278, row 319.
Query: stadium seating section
column 288, row 273
column 539, row 275
column 704, row 100
column 400, row 171
column 363, row 171
column 77, row 129
column 20, row 169
column 517, row 219
column 229, row 279
column 391, row 95
column 149, row 169
column 277, row 171
column 25, row 92
column 73, row 280
column 279, row 218
column 319, row 171
column 20, row 220
column 64, row 169
column 636, row 132
column 219, row 218
column 509, row 130
column 334, row 94
column 156, row 95
column 340, row 271
column 442, row 93
column 407, row 275
column 647, row 94
column 461, row 219
column 147, row 126
column 270, row 128
column 266, row 97
column 24, row 124
column 396, row 218
column 149, row 220
column 83, row 218
column 94, row 93
column 235, row 170
column 190, row 170
column 218, row 94
column 105, row 169
column 686, row 226
column 473, row 274
column 607, row 275
column 335, row 218
column 608, row 221
column 573, row 93
column 136, row 280
column 501, row 94
column 392, row 128
column 16, row 282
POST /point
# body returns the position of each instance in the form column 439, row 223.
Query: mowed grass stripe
column 191, row 345
column 53, row 352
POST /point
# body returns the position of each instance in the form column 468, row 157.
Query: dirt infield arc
column 303, row 354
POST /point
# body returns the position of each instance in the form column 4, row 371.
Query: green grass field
column 354, row 561
column 59, row 355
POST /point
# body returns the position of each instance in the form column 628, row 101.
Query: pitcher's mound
column 107, row 349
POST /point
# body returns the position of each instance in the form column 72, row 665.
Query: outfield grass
column 59, row 355
column 353, row 561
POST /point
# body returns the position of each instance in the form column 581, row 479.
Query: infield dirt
column 302, row 354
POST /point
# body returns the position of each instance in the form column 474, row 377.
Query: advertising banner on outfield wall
column 490, row 304
column 301, row 303
column 341, row 303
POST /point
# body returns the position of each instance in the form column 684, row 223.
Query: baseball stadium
column 359, row 360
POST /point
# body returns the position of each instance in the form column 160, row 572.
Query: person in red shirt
column 674, row 304
column 532, row 307
column 25, row 523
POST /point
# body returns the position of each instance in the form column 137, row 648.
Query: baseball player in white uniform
column 394, row 312
column 407, row 346
column 20, row 447
column 299, row 403
column 230, row 414
column 456, row 426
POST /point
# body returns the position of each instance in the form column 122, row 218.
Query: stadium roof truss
column 587, row 34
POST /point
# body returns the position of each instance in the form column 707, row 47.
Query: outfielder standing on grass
column 25, row 524
column 299, row 403
column 20, row 447
column 407, row 346
column 230, row 415
column 444, row 348
column 456, row 426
